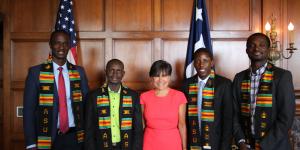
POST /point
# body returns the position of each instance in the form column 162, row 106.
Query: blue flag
column 65, row 21
column 199, row 35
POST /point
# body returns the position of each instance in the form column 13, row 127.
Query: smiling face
column 60, row 46
column 160, row 73
column 257, row 48
column 203, row 64
column 161, row 82
column 115, row 73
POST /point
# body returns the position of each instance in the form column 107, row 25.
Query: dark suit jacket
column 93, row 135
column 221, row 134
column 282, row 111
column 31, row 100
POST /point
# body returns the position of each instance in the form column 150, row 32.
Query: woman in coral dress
column 163, row 112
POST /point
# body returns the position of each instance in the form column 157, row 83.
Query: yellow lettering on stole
column 264, row 115
column 45, row 111
column 105, row 144
column 125, row 136
column 194, row 123
column 194, row 140
column 194, row 131
column 206, row 136
column 45, row 129
column 45, row 121
column 263, row 125
column 206, row 128
column 104, row 136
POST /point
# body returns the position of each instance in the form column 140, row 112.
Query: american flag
column 199, row 35
column 65, row 21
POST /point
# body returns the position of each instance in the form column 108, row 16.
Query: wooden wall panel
column 231, row 15
column 137, row 58
column 1, row 61
column 31, row 16
column 91, row 54
column 132, row 15
column 136, row 31
column 17, row 122
column 274, row 7
column 178, row 21
column 174, row 51
column 89, row 15
column 293, row 16
column 5, row 124
column 230, row 57
column 18, row 145
column 27, row 54
column 284, row 12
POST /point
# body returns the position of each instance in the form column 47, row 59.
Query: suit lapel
column 195, row 79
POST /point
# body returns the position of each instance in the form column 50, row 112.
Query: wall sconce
column 275, row 52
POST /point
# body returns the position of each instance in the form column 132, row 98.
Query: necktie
column 63, row 112
column 199, row 103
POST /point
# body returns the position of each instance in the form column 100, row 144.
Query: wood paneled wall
column 1, row 78
column 136, row 31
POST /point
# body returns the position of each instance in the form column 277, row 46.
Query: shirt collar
column 56, row 66
column 119, row 91
column 259, row 71
column 205, row 80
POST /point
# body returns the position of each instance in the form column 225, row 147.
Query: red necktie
column 63, row 112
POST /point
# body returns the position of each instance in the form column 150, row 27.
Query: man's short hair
column 205, row 50
column 56, row 32
column 114, row 61
column 267, row 39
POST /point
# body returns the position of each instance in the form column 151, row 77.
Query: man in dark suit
column 264, row 100
column 209, row 115
column 114, row 120
column 54, row 97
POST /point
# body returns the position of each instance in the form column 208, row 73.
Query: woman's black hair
column 160, row 67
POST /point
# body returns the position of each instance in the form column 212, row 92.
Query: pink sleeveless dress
column 161, row 118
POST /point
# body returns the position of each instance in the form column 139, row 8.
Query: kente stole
column 126, row 118
column 263, row 110
column 46, row 100
column 201, row 141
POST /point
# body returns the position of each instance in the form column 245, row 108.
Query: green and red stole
column 46, row 101
column 201, row 141
column 126, row 117
column 263, row 110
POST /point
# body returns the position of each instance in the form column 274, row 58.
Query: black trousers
column 67, row 141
